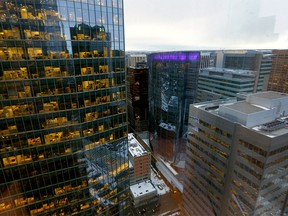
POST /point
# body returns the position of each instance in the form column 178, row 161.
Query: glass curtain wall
column 63, row 123
column 172, row 88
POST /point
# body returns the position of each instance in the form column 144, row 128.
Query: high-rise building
column 133, row 59
column 237, row 157
column 259, row 61
column 63, row 121
column 278, row 80
column 208, row 59
column 172, row 87
column 137, row 97
column 219, row 83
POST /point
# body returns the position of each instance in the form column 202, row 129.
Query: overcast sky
column 205, row 24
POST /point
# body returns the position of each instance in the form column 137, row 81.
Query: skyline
column 241, row 24
column 69, row 98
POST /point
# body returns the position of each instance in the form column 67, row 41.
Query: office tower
column 236, row 59
column 63, row 124
column 133, row 59
column 172, row 87
column 219, row 83
column 259, row 61
column 278, row 80
column 140, row 160
column 208, row 59
column 137, row 97
column 237, row 157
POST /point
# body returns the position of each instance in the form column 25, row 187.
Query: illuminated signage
column 177, row 56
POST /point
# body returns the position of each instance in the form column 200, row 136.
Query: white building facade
column 133, row 59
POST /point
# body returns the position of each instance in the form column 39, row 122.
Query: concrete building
column 133, row 59
column 142, row 193
column 259, row 61
column 278, row 80
column 63, row 108
column 208, row 59
column 137, row 97
column 237, row 157
column 140, row 160
column 219, row 83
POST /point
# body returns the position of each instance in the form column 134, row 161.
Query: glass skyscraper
column 137, row 97
column 172, row 88
column 63, row 122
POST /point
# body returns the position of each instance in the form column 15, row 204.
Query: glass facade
column 220, row 83
column 278, row 80
column 137, row 97
column 63, row 120
column 259, row 61
column 240, row 61
column 172, row 88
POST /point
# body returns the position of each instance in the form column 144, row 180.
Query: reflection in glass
column 62, row 111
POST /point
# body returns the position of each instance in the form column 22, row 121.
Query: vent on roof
column 133, row 144
column 274, row 125
column 211, row 108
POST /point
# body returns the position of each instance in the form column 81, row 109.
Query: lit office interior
column 62, row 108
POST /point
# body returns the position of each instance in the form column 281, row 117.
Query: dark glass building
column 172, row 88
column 137, row 97
column 63, row 123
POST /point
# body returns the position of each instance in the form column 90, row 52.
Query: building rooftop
column 137, row 55
column 168, row 126
column 274, row 128
column 270, row 95
column 245, row 107
column 265, row 112
column 134, row 147
column 142, row 188
column 140, row 67
column 226, row 71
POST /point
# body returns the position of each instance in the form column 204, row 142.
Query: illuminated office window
column 62, row 109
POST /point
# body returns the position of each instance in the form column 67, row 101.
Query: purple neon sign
column 176, row 56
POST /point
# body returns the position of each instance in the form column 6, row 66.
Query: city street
column 166, row 203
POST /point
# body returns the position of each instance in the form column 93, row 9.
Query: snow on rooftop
column 159, row 183
column 142, row 188
column 135, row 148
column 168, row 126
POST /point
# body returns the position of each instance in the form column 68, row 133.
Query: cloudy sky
column 205, row 24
